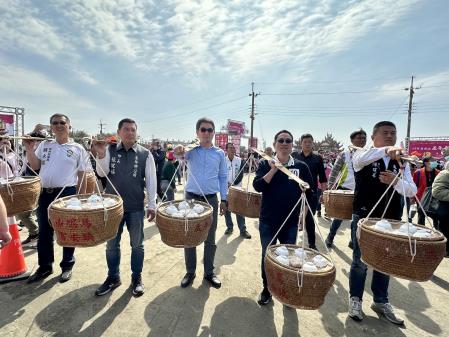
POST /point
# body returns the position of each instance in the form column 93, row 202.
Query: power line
column 330, row 92
column 196, row 110
column 338, row 81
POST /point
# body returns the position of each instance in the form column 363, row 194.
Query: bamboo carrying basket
column 283, row 281
column 85, row 228
column 338, row 204
column 183, row 232
column 390, row 254
column 21, row 196
column 91, row 181
column 244, row 203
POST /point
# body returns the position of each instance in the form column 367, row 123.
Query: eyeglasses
column 59, row 123
column 210, row 130
column 284, row 140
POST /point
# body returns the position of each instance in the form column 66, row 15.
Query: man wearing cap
column 26, row 218
column 52, row 158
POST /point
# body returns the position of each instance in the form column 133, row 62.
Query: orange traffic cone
column 12, row 261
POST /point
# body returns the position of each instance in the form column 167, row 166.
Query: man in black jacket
column 279, row 196
column 159, row 160
column 316, row 167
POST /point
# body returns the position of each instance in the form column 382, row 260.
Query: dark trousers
column 422, row 219
column 158, row 187
column 209, row 245
column 45, row 251
column 443, row 217
column 310, row 223
column 267, row 231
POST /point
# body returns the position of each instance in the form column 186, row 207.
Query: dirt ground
column 71, row 309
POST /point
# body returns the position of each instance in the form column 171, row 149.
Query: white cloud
column 198, row 37
column 24, row 84
column 29, row 33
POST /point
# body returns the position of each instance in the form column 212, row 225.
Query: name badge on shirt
column 295, row 172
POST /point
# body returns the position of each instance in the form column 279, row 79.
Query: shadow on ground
column 67, row 315
column 177, row 312
column 21, row 294
column 236, row 316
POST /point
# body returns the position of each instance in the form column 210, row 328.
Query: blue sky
column 320, row 66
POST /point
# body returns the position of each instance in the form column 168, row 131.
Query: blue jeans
column 45, row 249
column 134, row 223
column 286, row 236
column 357, row 274
column 335, row 225
column 209, row 245
column 240, row 221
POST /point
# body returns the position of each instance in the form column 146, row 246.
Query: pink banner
column 236, row 126
column 7, row 124
column 432, row 148
column 254, row 142
column 220, row 140
column 236, row 139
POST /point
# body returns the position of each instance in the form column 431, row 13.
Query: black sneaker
column 350, row 245
column 40, row 274
column 138, row 288
column 245, row 235
column 313, row 247
column 108, row 285
column 31, row 239
column 329, row 242
column 264, row 297
column 228, row 231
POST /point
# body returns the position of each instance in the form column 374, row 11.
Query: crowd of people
column 143, row 177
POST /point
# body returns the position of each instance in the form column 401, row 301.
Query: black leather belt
column 196, row 196
column 50, row 190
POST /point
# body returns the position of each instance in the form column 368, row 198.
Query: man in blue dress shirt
column 207, row 175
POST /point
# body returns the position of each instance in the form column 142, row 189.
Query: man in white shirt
column 235, row 175
column 374, row 170
column 61, row 163
column 131, row 169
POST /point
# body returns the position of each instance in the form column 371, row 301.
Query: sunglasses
column 284, row 140
column 210, row 130
column 59, row 123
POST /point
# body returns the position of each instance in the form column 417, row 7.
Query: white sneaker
column 386, row 309
column 355, row 309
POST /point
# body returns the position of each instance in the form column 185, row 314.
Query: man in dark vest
column 374, row 170
column 131, row 169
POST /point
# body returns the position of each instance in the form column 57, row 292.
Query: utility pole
column 253, row 96
column 409, row 115
column 101, row 126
